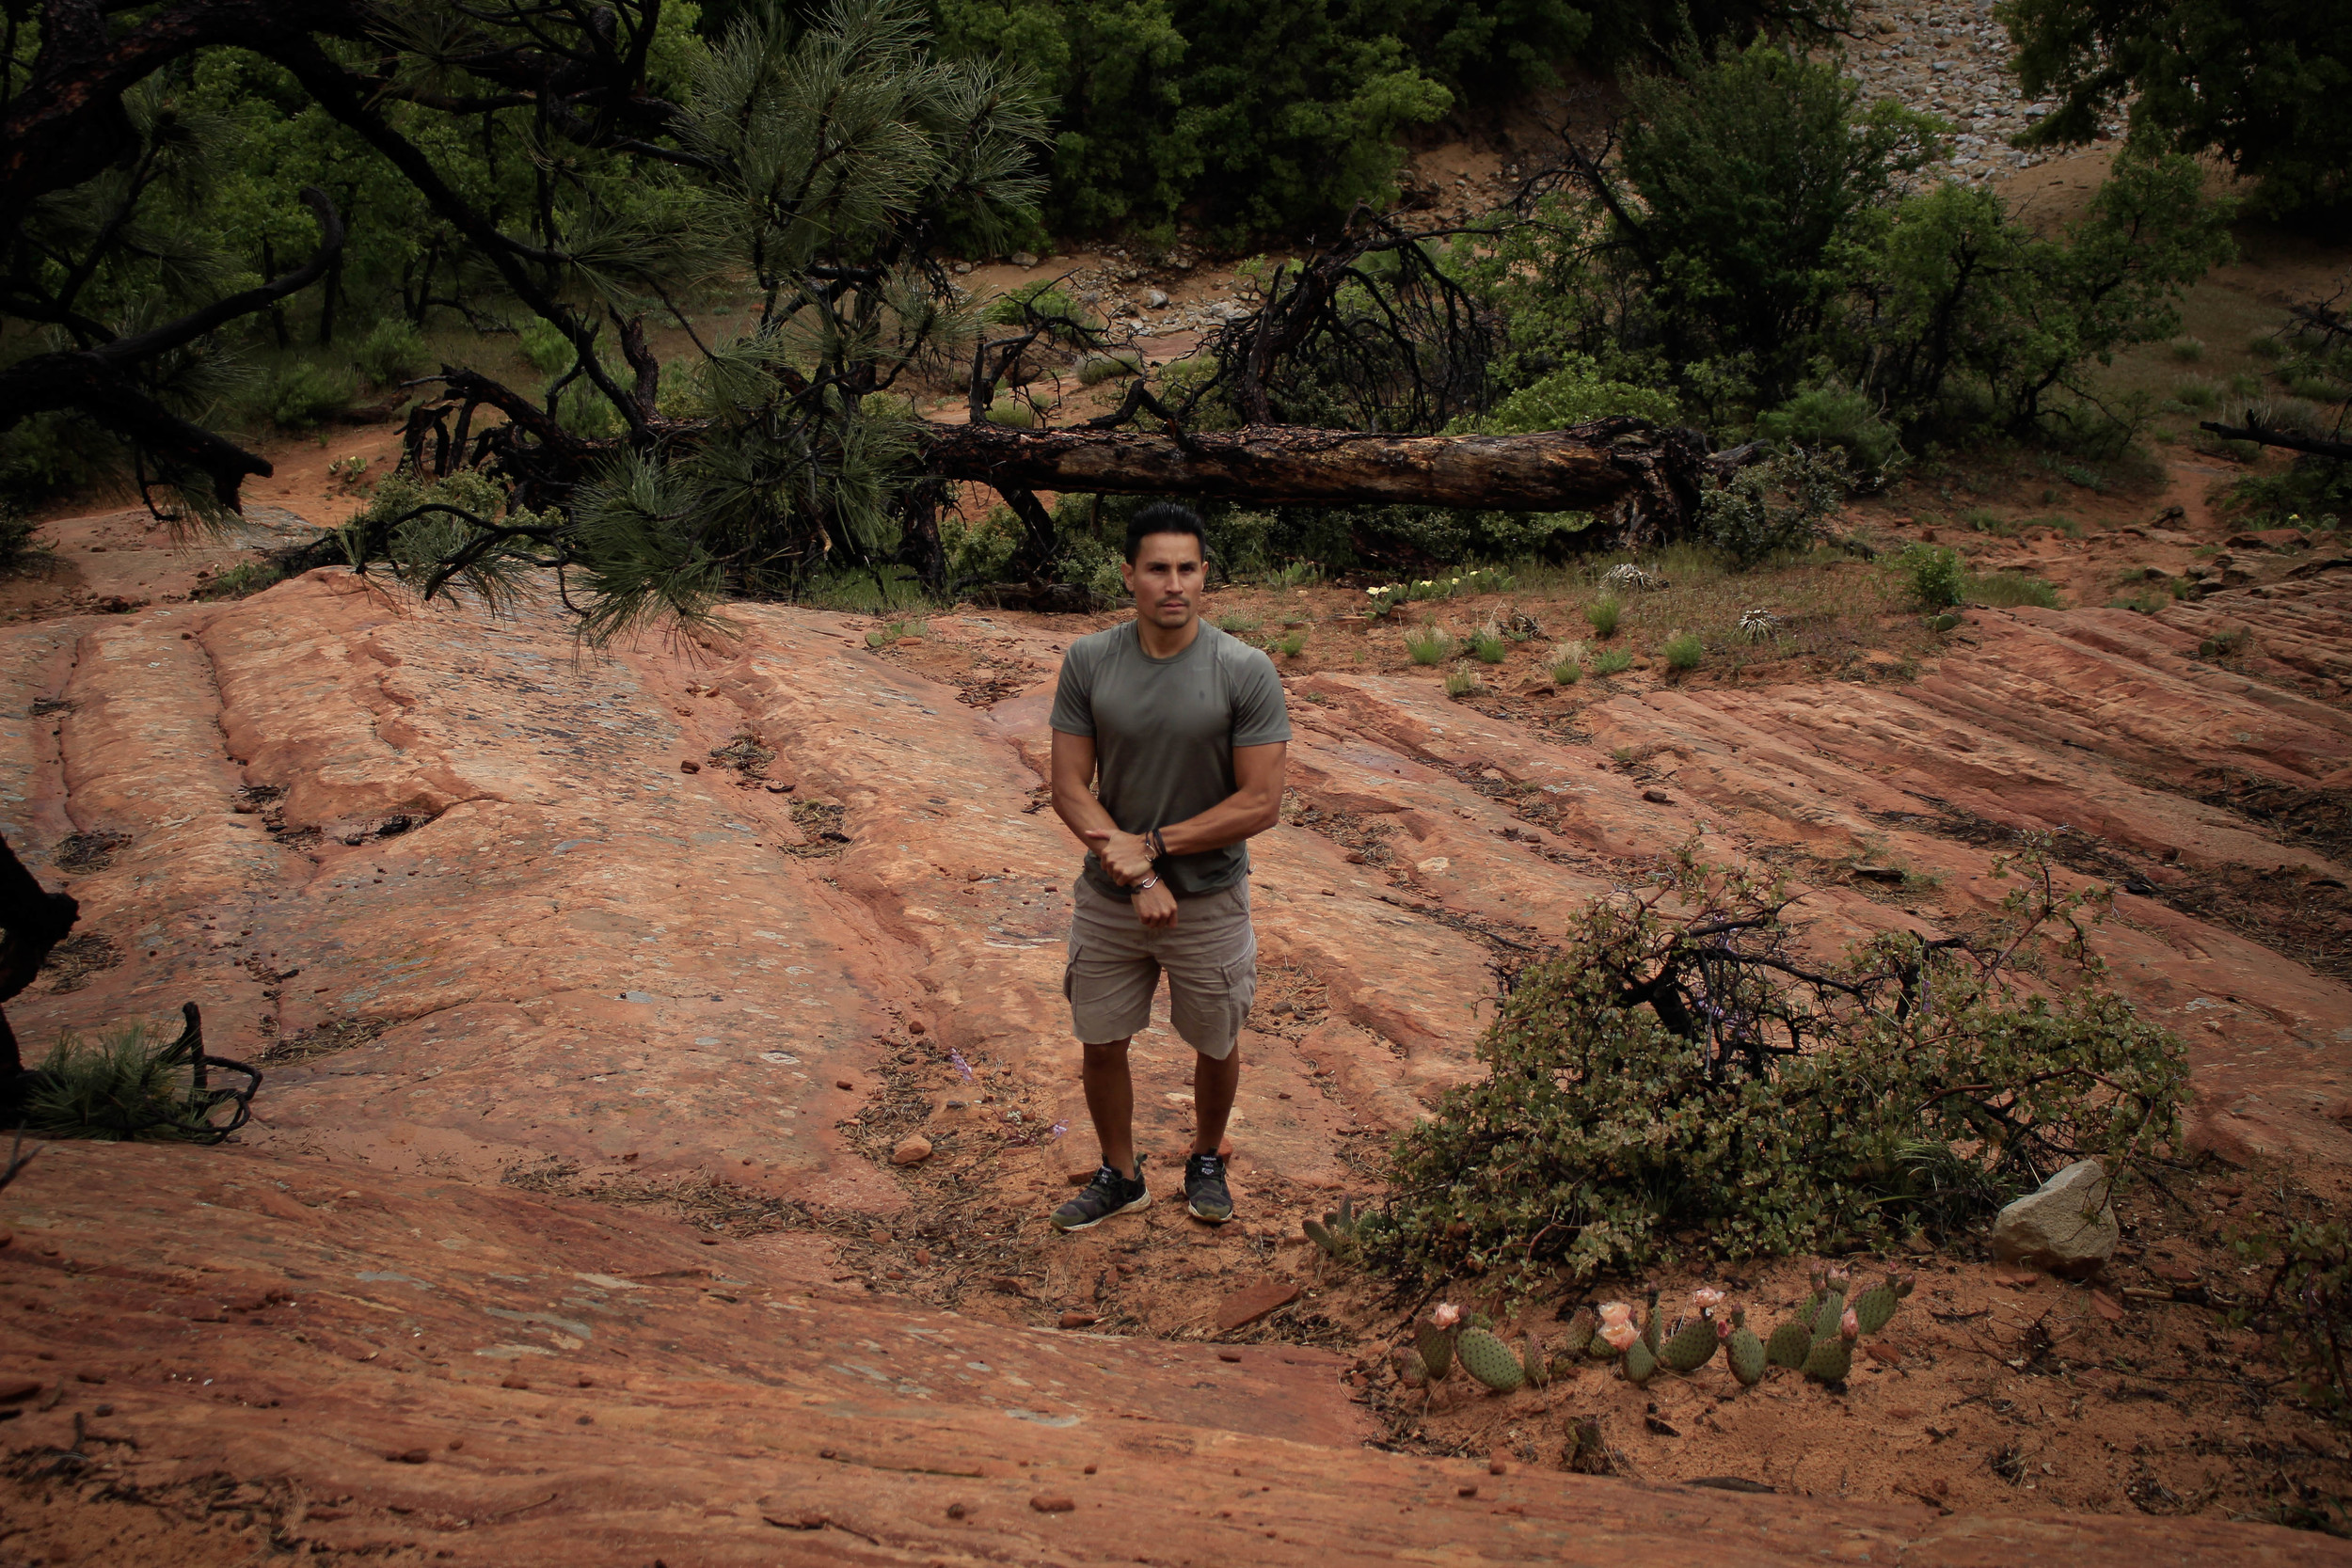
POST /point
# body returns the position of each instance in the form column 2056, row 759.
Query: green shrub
column 1775, row 507
column 1604, row 614
column 1834, row 415
column 2316, row 387
column 548, row 350
column 890, row 631
column 2198, row 394
column 2189, row 351
column 2308, row 1299
column 1013, row 412
column 17, row 550
column 126, row 1085
column 1611, row 661
column 301, row 393
column 1428, row 645
column 1576, row 392
column 2011, row 589
column 1460, row 683
column 1487, row 647
column 393, row 351
column 1095, row 369
column 1292, row 645
column 1635, row 1089
column 1937, row 576
column 1568, row 672
column 246, row 577
column 1684, row 652
column 2265, row 345
column 1237, row 624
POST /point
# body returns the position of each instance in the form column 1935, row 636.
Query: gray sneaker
column 1205, row 1196
column 1108, row 1193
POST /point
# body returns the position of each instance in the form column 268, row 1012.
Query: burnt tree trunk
column 1645, row 478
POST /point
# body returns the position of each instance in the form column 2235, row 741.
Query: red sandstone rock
column 1251, row 1302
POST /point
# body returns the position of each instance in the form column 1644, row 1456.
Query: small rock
column 1155, row 299
column 690, row 765
column 2106, row 1307
column 1230, row 1356
column 1883, row 1351
column 841, row 1084
column 1497, row 1465
column 1078, row 1178
column 911, row 1151
column 1075, row 1319
column 1022, row 258
column 2067, row 1226
column 958, row 1511
column 1044, row 1504
column 774, row 788
column 514, row 1379
column 914, row 1026
column 1658, row 798
column 410, row 1456
column 14, row 1389
column 1470, row 1491
column 1252, row 1302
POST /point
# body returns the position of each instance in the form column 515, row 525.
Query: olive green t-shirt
column 1164, row 733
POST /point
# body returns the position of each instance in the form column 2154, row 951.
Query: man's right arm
column 1074, row 788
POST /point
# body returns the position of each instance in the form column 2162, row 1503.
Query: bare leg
column 1213, row 1084
column 1111, row 1102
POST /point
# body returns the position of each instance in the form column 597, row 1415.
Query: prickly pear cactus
column 1579, row 1330
column 1825, row 1317
column 1830, row 1359
column 1745, row 1352
column 1653, row 1335
column 1788, row 1344
column 1690, row 1346
column 1641, row 1365
column 1874, row 1307
column 1437, row 1349
column 1336, row 1232
column 1489, row 1360
column 1535, row 1359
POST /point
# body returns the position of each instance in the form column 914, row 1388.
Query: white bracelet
column 1152, row 880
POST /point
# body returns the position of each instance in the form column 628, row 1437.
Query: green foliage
column 549, row 352
column 393, row 351
column 1611, row 661
column 1937, row 576
column 1604, row 614
column 1487, row 646
column 2307, row 1296
column 890, row 631
column 17, row 550
column 1776, row 507
column 1460, row 683
column 418, row 528
column 1576, row 392
column 1684, row 651
column 2267, row 83
column 1629, row 1094
column 299, row 394
column 1427, row 645
column 246, row 577
column 1015, row 412
column 127, row 1084
column 1568, row 672
column 1095, row 369
column 1292, row 645
column 1835, row 414
column 2011, row 589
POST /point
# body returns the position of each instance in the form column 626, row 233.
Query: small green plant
column 1428, row 645
column 1292, row 573
column 2198, row 395
column 890, row 631
column 1611, row 661
column 17, row 550
column 245, row 577
column 1937, row 577
column 1237, row 623
column 546, row 348
column 1776, row 507
column 2232, row 643
column 349, row 474
column 2265, row 345
column 1604, row 614
column 1336, row 1232
column 393, row 351
column 2011, row 589
column 1014, row 412
column 2308, row 1298
column 1568, row 672
column 2316, row 387
column 1487, row 647
column 1095, row 369
column 1292, row 645
column 129, row 1084
column 1684, row 651
column 2187, row 350
column 1386, row 600
column 301, row 394
column 1460, row 683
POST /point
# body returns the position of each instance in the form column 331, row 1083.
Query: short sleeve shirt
column 1164, row 733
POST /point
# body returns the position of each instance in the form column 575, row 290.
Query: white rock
column 2065, row 1227
column 1155, row 298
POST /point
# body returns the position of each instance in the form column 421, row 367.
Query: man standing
column 1169, row 741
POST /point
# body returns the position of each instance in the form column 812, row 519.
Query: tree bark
column 2313, row 445
column 1648, row 476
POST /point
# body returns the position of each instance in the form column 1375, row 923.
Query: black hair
column 1164, row 517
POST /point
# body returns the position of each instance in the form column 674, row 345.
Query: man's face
column 1165, row 579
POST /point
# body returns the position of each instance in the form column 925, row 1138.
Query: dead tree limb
column 2312, row 444
column 1645, row 477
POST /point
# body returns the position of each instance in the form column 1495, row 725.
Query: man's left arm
column 1250, row 810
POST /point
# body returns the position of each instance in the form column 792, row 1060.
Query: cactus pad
column 1489, row 1360
column 1437, row 1349
column 1788, row 1344
column 1579, row 1330
column 1653, row 1333
column 1536, row 1359
column 1830, row 1359
column 1690, row 1346
column 1825, row 1317
column 1745, row 1352
column 1640, row 1365
column 1874, row 1307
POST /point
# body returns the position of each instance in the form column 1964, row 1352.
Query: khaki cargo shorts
column 1210, row 956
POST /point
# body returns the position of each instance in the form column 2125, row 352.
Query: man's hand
column 1125, row 856
column 1157, row 907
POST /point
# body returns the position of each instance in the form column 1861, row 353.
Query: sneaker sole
column 1144, row 1201
column 1194, row 1211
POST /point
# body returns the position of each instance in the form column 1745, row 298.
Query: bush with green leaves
column 1778, row 507
column 1684, row 651
column 301, row 393
column 1487, row 646
column 2009, row 590
column 393, row 351
column 1575, row 392
column 1603, row 615
column 2307, row 1296
column 127, row 1083
column 1680, row 1064
column 1611, row 661
column 1938, row 578
column 1428, row 645
column 1834, row 415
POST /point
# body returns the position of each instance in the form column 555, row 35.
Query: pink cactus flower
column 1706, row 1296
column 1616, row 1313
column 1849, row 1326
column 1447, row 1315
column 1622, row 1335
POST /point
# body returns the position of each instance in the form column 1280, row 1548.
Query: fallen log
column 2261, row 436
column 1645, row 477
